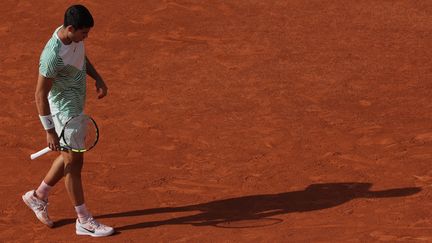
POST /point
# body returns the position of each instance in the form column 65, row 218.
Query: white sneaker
column 93, row 228
column 39, row 207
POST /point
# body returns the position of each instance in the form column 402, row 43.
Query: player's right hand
column 53, row 140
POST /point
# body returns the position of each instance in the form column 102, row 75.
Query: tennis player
column 60, row 94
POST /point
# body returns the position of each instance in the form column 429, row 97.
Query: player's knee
column 73, row 168
column 73, row 163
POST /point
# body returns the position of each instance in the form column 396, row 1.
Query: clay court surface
column 233, row 121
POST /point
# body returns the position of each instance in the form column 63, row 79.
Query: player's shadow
column 256, row 207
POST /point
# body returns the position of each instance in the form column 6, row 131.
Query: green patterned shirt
column 65, row 64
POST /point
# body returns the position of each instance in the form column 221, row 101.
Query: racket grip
column 40, row 153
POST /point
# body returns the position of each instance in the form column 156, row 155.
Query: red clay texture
column 233, row 121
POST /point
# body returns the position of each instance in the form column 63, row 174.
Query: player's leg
column 54, row 175
column 37, row 200
column 85, row 224
column 73, row 163
column 56, row 172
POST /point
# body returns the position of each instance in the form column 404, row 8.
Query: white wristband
column 47, row 121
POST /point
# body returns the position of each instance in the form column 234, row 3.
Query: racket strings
column 90, row 134
column 80, row 133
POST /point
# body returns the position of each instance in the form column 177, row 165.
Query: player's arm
column 101, row 87
column 43, row 87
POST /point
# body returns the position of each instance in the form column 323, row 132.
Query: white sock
column 82, row 212
column 43, row 191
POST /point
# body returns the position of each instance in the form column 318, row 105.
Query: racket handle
column 40, row 153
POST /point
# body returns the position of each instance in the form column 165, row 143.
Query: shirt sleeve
column 48, row 63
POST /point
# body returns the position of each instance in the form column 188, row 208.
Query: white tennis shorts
column 74, row 133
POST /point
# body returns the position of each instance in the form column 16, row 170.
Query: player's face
column 79, row 34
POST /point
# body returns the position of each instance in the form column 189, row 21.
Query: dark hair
column 78, row 16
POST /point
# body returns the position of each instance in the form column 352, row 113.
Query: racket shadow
column 259, row 207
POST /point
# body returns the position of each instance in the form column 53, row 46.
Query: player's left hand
column 101, row 89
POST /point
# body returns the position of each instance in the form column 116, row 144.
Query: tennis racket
column 79, row 134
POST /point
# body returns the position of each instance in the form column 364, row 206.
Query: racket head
column 80, row 134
